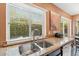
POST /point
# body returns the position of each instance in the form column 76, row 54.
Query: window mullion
column 63, row 30
column 29, row 28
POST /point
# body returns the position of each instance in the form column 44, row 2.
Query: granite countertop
column 57, row 43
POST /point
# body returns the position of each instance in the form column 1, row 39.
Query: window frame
column 68, row 26
column 8, row 24
column 77, row 26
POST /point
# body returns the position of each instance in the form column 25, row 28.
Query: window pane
column 77, row 28
column 61, row 26
column 37, row 23
column 19, row 20
column 23, row 20
column 64, row 27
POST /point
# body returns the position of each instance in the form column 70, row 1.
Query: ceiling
column 71, row 8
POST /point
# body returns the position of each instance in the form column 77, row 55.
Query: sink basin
column 28, row 49
column 44, row 44
column 33, row 49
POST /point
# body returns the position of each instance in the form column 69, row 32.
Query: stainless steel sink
column 33, row 49
column 44, row 44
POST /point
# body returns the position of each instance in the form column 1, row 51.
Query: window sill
column 18, row 41
column 21, row 40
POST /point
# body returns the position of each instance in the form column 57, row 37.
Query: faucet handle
column 36, row 32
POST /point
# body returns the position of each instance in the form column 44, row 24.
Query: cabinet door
column 55, row 53
column 67, row 50
column 3, row 51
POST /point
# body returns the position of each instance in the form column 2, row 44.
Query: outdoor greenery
column 20, row 27
column 64, row 22
column 24, row 21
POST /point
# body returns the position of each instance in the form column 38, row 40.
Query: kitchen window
column 77, row 27
column 64, row 26
column 23, row 19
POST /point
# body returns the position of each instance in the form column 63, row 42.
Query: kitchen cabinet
column 73, row 48
column 67, row 50
column 55, row 53
column 3, row 51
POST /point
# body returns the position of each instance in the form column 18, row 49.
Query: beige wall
column 2, row 24
column 74, row 18
column 53, row 18
column 52, row 7
column 48, row 6
column 55, row 21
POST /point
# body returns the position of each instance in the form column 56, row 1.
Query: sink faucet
column 35, row 32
